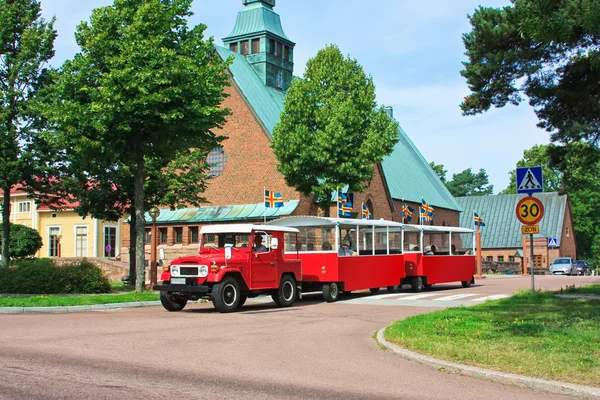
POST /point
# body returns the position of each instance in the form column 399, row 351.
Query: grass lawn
column 590, row 289
column 534, row 334
column 75, row 300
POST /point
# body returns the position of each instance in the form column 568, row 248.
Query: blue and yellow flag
column 366, row 213
column 407, row 211
column 477, row 220
column 345, row 210
column 273, row 199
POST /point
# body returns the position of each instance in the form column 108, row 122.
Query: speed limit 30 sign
column 530, row 210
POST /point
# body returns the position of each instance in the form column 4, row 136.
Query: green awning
column 216, row 214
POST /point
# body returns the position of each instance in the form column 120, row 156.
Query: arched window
column 370, row 208
column 216, row 160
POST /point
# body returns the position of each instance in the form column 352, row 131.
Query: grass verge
column 590, row 289
column 58, row 301
column 533, row 334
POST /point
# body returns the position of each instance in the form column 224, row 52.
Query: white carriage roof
column 305, row 221
column 245, row 228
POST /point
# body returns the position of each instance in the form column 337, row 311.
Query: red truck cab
column 234, row 262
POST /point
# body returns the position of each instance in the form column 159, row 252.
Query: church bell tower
column 259, row 37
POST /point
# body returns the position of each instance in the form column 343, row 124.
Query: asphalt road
column 313, row 350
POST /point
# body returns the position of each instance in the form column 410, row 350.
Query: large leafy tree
column 142, row 91
column 467, row 183
column 26, row 44
column 546, row 51
column 331, row 133
column 24, row 241
column 538, row 155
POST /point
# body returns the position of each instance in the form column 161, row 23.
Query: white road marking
column 456, row 296
column 384, row 296
column 493, row 297
column 419, row 296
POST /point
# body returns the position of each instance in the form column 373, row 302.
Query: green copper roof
column 257, row 17
column 410, row 177
column 502, row 228
column 216, row 214
column 265, row 101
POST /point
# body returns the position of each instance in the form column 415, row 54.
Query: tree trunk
column 132, row 247
column 6, row 228
column 140, row 221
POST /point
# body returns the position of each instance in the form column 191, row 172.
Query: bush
column 41, row 276
column 24, row 241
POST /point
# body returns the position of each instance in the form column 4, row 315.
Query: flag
column 426, row 211
column 477, row 220
column 345, row 210
column 273, row 199
column 366, row 214
column 342, row 198
column 407, row 211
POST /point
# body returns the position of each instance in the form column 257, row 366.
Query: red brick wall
column 568, row 246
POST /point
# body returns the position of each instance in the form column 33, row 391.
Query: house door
column 81, row 241
column 110, row 241
column 537, row 262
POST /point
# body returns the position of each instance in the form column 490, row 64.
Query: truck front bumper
column 183, row 288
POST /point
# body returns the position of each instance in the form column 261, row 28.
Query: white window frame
column 87, row 237
column 48, row 234
column 21, row 205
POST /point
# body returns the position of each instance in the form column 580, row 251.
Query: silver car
column 563, row 266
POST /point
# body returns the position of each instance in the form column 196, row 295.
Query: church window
column 245, row 49
column 279, row 50
column 216, row 161
column 286, row 52
column 255, row 46
column 271, row 46
column 233, row 47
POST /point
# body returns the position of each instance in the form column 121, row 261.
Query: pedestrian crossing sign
column 552, row 242
column 529, row 180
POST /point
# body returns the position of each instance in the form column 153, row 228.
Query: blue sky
column 412, row 49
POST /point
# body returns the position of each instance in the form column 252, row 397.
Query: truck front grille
column 190, row 271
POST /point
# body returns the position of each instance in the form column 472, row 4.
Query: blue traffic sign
column 552, row 242
column 529, row 180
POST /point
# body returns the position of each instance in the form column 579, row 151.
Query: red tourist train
column 306, row 253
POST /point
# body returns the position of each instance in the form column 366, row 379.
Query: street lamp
column 154, row 213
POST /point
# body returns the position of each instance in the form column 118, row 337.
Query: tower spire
column 259, row 37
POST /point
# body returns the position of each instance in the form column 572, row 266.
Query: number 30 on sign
column 530, row 210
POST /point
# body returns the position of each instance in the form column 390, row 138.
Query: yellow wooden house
column 63, row 232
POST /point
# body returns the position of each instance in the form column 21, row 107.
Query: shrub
column 41, row 276
column 24, row 241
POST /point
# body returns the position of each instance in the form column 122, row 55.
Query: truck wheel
column 226, row 295
column 243, row 300
column 374, row 290
column 172, row 302
column 286, row 294
column 394, row 289
column 331, row 292
column 417, row 284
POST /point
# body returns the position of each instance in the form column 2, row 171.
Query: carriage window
column 412, row 241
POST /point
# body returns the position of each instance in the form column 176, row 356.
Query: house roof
column 502, row 228
column 254, row 18
column 408, row 174
column 217, row 214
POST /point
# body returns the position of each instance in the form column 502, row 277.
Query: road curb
column 538, row 385
column 72, row 309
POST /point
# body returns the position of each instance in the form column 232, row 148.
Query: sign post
column 530, row 210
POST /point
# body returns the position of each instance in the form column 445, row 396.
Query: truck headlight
column 175, row 270
column 203, row 271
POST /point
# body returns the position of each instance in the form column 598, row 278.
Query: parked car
column 563, row 266
column 583, row 267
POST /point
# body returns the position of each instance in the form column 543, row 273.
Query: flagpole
column 337, row 202
column 264, row 205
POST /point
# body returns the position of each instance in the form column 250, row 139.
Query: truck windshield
column 220, row 240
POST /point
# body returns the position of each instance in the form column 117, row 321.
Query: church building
column 245, row 165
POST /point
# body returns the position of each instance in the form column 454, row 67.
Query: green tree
column 26, row 44
column 538, row 155
column 466, row 183
column 545, row 50
column 142, row 91
column 24, row 241
column 330, row 133
column 439, row 170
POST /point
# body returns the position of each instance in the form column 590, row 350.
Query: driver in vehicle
column 258, row 246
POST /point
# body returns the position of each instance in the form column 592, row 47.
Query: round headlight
column 203, row 271
column 175, row 270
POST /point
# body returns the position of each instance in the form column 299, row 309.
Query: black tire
column 286, row 294
column 417, row 284
column 374, row 290
column 394, row 289
column 331, row 292
column 243, row 299
column 172, row 302
column 226, row 295
column 467, row 284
